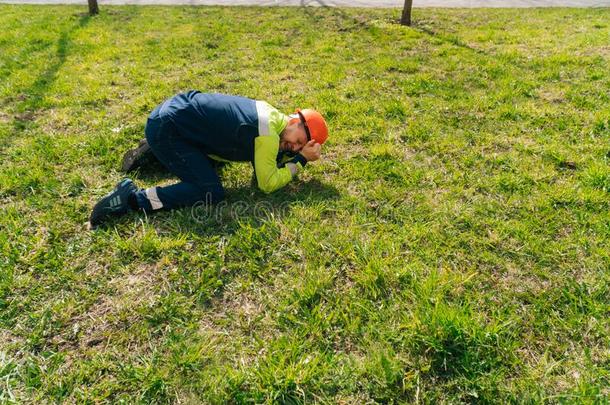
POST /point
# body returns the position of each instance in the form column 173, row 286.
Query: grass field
column 451, row 246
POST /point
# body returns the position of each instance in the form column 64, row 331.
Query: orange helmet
column 315, row 126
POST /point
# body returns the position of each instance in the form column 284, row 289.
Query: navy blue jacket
column 222, row 125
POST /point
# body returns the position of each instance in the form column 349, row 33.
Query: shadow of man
column 244, row 205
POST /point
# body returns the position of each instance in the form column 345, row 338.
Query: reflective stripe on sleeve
column 263, row 110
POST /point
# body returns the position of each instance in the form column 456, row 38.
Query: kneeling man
column 190, row 132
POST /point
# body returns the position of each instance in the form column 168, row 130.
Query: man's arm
column 268, row 175
column 283, row 158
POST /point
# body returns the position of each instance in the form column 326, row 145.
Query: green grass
column 451, row 246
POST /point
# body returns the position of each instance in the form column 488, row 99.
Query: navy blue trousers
column 199, row 181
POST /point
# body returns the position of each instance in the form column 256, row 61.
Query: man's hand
column 311, row 151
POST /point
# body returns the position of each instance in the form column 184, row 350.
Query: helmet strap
column 304, row 122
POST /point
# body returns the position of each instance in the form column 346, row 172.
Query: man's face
column 293, row 138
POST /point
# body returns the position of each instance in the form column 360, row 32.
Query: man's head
column 304, row 126
column 293, row 137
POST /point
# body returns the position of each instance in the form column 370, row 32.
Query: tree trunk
column 406, row 13
column 93, row 9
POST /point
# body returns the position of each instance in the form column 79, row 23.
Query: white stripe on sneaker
column 153, row 198
column 115, row 201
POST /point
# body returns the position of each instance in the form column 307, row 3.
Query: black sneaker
column 138, row 157
column 114, row 204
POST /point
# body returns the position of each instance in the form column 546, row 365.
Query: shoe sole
column 135, row 158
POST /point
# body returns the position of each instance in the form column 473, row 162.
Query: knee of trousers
column 151, row 128
column 212, row 195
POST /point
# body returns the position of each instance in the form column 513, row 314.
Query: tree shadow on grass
column 363, row 23
column 313, row 12
column 29, row 101
column 448, row 39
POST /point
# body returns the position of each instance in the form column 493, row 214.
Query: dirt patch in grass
column 8, row 339
column 551, row 95
column 239, row 313
column 516, row 280
column 114, row 311
column 5, row 118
